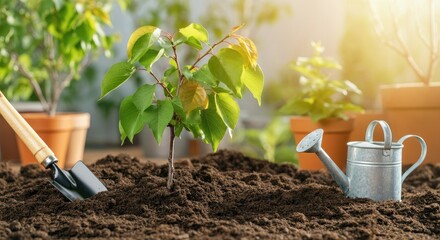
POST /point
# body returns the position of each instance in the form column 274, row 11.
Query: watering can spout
column 312, row 144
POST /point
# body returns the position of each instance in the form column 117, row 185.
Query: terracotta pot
column 361, row 122
column 336, row 136
column 55, row 132
column 8, row 145
column 414, row 109
column 75, row 151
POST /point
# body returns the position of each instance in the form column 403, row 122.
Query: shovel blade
column 81, row 182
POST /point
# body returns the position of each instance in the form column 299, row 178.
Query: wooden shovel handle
column 34, row 143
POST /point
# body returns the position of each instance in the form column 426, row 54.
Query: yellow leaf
column 249, row 48
column 102, row 15
column 239, row 49
column 136, row 35
column 193, row 95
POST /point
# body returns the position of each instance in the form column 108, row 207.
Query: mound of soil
column 225, row 195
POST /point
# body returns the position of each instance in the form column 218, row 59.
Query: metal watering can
column 374, row 169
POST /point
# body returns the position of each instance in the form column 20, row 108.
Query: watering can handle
column 422, row 155
column 388, row 137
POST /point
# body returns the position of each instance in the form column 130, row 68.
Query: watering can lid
column 375, row 145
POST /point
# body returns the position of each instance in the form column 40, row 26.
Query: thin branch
column 433, row 28
column 34, row 83
column 401, row 47
column 71, row 74
column 69, row 77
column 199, row 58
column 209, row 51
column 161, row 84
column 179, row 70
column 53, row 73
column 433, row 43
column 419, row 29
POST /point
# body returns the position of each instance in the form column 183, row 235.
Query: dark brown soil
column 221, row 196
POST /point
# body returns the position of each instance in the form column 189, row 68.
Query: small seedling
column 198, row 95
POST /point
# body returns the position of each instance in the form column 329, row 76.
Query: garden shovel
column 77, row 183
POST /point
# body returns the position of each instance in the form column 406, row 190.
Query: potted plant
column 413, row 108
column 322, row 102
column 49, row 43
column 15, row 90
column 198, row 95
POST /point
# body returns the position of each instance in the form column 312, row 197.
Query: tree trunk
column 171, row 158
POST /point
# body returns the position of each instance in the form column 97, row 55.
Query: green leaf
column 253, row 79
column 228, row 109
column 131, row 118
column 193, row 96
column 164, row 43
column 115, row 76
column 122, row 132
column 141, row 40
column 227, row 67
column 192, row 124
column 187, row 73
column 178, row 108
column 85, row 32
column 150, row 57
column 193, row 118
column 196, row 31
column 178, row 129
column 296, row 107
column 285, row 154
column 141, row 47
column 58, row 4
column 143, row 97
column 170, row 71
column 212, row 125
column 204, row 76
column 193, row 42
column 158, row 117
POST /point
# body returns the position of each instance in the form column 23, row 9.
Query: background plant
column 320, row 96
column 198, row 95
column 48, row 43
column 274, row 142
column 366, row 60
column 407, row 20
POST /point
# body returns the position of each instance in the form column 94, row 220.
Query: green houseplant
column 198, row 95
column 321, row 102
column 412, row 107
column 273, row 142
column 47, row 44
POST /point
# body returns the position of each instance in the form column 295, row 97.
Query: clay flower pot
column 75, row 151
column 336, row 135
column 414, row 109
column 59, row 133
column 361, row 122
column 8, row 145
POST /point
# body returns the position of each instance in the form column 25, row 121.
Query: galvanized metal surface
column 374, row 169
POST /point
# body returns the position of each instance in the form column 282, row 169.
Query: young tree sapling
column 198, row 96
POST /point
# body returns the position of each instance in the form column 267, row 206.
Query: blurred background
column 282, row 31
